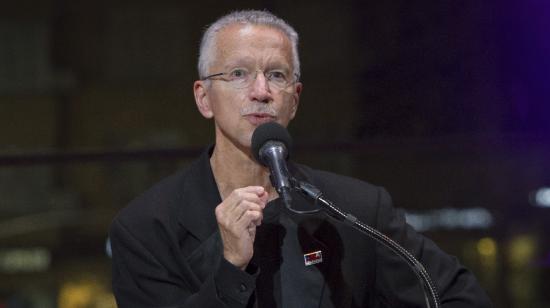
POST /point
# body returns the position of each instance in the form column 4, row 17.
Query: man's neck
column 234, row 168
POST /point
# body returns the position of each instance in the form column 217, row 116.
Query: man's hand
column 238, row 216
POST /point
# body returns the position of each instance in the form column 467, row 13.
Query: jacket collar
column 200, row 196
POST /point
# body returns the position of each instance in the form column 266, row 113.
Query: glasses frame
column 209, row 77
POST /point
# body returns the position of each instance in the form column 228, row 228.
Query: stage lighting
column 542, row 197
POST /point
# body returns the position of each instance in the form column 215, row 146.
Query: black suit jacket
column 167, row 252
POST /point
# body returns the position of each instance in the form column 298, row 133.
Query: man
column 216, row 233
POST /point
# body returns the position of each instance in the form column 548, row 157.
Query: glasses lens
column 241, row 78
column 278, row 79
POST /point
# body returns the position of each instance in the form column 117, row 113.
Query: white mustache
column 263, row 108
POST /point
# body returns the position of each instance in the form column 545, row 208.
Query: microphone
column 270, row 144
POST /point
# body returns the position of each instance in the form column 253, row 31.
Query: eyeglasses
column 241, row 78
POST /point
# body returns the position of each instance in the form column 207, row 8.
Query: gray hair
column 253, row 17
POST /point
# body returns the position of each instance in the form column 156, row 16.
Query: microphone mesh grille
column 270, row 131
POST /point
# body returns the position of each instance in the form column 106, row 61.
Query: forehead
column 236, row 42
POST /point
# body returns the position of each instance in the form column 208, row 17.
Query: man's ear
column 201, row 98
column 296, row 98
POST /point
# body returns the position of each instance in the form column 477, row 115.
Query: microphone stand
column 332, row 210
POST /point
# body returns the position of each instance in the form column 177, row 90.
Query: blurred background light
column 487, row 250
column 85, row 293
column 542, row 197
column 487, row 247
column 524, row 276
column 521, row 251
column 24, row 260
column 450, row 219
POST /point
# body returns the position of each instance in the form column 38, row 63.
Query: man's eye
column 238, row 73
column 277, row 75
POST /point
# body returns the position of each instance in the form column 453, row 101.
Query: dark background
column 445, row 103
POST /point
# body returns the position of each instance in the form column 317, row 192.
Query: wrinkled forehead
column 259, row 43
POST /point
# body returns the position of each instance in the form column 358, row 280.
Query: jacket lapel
column 199, row 199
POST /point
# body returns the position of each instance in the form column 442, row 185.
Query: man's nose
column 259, row 89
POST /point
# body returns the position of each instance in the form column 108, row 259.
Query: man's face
column 237, row 112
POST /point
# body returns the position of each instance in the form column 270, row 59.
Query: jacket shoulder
column 336, row 184
column 351, row 194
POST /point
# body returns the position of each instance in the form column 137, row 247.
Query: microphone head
column 270, row 131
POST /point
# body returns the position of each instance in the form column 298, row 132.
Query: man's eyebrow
column 277, row 62
column 251, row 62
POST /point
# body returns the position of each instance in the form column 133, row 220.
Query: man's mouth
column 259, row 118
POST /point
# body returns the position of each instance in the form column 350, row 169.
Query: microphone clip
column 307, row 190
